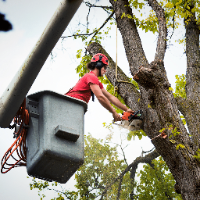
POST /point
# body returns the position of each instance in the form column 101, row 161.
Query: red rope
column 19, row 145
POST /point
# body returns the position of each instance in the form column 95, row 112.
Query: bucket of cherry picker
column 55, row 138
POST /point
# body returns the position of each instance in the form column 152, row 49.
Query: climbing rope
column 115, row 87
column 21, row 121
column 116, row 55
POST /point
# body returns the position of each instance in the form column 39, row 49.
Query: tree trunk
column 161, row 109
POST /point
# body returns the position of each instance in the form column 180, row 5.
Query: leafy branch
column 147, row 159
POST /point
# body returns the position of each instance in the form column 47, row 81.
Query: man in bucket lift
column 89, row 85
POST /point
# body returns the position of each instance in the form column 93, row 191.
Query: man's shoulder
column 92, row 75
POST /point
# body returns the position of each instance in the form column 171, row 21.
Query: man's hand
column 116, row 117
column 129, row 110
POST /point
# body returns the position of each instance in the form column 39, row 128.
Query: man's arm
column 104, row 101
column 114, row 100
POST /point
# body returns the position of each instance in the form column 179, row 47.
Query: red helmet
column 100, row 57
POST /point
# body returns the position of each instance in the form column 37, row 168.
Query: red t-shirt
column 83, row 85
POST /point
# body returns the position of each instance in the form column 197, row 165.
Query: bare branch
column 109, row 17
column 144, row 152
column 173, row 19
column 122, row 149
column 123, row 155
column 94, row 32
column 76, row 35
column 161, row 44
column 58, row 191
column 87, row 19
column 95, row 6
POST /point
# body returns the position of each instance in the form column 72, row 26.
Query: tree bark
column 161, row 110
column 192, row 108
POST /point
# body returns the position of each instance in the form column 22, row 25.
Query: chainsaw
column 131, row 121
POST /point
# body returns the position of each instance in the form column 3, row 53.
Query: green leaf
column 163, row 129
column 180, row 86
column 169, row 5
column 149, row 106
column 171, row 89
column 180, row 146
column 133, row 134
column 155, row 182
column 183, row 119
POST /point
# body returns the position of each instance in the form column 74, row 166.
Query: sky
column 29, row 18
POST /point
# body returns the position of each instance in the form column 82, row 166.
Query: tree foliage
column 180, row 86
column 156, row 182
column 101, row 166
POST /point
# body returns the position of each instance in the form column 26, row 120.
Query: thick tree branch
column 147, row 159
column 131, row 39
column 162, row 38
column 193, row 57
column 127, row 91
column 136, row 58
column 193, row 78
column 123, row 155
column 182, row 105
column 163, row 102
column 152, row 76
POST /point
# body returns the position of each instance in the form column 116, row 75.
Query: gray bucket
column 55, row 137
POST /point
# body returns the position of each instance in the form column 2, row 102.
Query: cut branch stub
column 152, row 76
